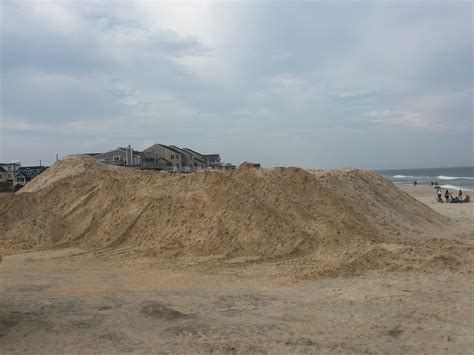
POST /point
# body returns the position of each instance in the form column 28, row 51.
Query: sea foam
column 442, row 177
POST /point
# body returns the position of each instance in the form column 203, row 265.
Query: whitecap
column 442, row 177
column 452, row 187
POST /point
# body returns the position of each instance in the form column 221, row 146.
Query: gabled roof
column 194, row 152
column 2, row 170
column 27, row 170
column 39, row 167
column 164, row 146
column 171, row 148
column 178, row 149
column 120, row 149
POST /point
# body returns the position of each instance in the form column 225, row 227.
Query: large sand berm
column 248, row 212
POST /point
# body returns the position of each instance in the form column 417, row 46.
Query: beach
column 461, row 213
column 400, row 285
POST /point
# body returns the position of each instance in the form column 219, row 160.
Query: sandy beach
column 461, row 213
column 406, row 295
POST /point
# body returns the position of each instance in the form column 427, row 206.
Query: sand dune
column 350, row 219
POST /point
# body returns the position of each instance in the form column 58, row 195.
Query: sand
column 397, row 278
column 348, row 220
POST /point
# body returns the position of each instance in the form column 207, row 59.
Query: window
column 116, row 157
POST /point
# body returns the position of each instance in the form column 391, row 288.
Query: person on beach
column 439, row 196
column 460, row 194
column 446, row 195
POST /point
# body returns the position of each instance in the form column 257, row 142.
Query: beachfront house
column 19, row 179
column 11, row 168
column 199, row 160
column 172, row 157
column 6, row 185
column 162, row 157
column 213, row 161
column 27, row 173
column 3, row 175
column 129, row 157
column 30, row 172
column 119, row 156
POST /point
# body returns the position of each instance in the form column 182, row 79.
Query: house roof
column 26, row 169
column 178, row 149
column 2, row 170
column 121, row 149
column 171, row 148
column 212, row 156
column 39, row 167
column 125, row 149
column 194, row 152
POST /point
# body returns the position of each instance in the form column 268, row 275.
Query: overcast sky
column 374, row 85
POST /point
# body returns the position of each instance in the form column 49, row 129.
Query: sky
column 315, row 84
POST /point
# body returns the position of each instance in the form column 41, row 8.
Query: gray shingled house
column 214, row 161
column 200, row 161
column 129, row 157
column 171, row 156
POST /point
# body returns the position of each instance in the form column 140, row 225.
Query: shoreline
column 444, row 186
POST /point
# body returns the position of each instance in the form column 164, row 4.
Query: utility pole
column 57, row 157
column 40, row 163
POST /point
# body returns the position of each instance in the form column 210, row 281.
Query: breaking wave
column 442, row 177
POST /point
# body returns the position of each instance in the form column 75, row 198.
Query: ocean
column 447, row 178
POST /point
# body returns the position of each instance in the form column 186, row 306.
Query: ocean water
column 447, row 178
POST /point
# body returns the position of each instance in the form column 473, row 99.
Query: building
column 11, row 168
column 15, row 175
column 6, row 185
column 200, row 161
column 20, row 179
column 229, row 166
column 3, row 175
column 162, row 157
column 129, row 157
column 213, row 161
column 172, row 158
column 27, row 173
column 119, row 156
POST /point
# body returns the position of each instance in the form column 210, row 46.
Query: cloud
column 244, row 79
column 396, row 117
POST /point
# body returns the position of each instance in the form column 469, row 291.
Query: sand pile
column 247, row 212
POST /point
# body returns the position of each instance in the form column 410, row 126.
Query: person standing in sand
column 460, row 194
column 446, row 195
column 440, row 199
